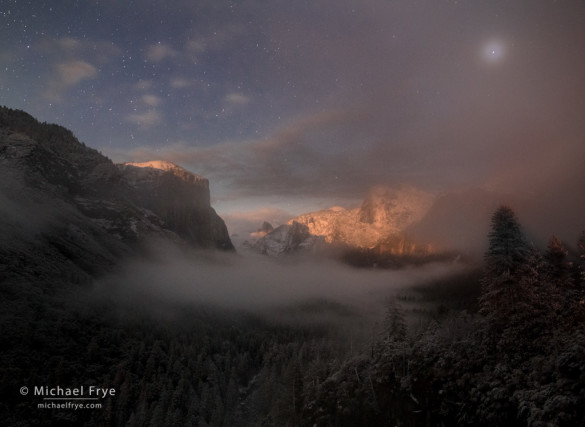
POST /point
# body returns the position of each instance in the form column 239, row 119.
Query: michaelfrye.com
column 78, row 397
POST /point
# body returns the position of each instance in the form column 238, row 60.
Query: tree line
column 515, row 357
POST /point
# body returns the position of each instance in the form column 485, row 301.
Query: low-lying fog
column 258, row 283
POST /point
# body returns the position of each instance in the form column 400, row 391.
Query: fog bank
column 251, row 282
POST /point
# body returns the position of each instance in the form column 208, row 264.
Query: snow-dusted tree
column 394, row 325
column 581, row 278
column 556, row 259
column 559, row 291
column 506, row 262
column 581, row 246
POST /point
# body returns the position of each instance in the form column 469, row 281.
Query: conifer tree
column 394, row 324
column 555, row 256
column 505, row 264
column 581, row 246
column 581, row 279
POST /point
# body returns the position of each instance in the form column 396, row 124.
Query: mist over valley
column 305, row 213
column 124, row 274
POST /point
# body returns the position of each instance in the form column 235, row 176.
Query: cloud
column 256, row 283
column 301, row 158
column 66, row 75
column 243, row 223
column 68, row 48
column 147, row 118
column 237, row 99
column 69, row 44
column 143, row 85
column 152, row 116
column 72, row 72
column 151, row 100
column 160, row 51
column 214, row 39
column 195, row 47
column 182, row 83
column 275, row 215
column 268, row 166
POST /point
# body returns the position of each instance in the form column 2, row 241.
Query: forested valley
column 503, row 344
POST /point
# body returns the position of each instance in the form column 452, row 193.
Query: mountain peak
column 122, row 205
column 384, row 212
column 161, row 166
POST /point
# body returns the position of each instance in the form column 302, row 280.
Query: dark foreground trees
column 521, row 365
column 519, row 362
column 506, row 265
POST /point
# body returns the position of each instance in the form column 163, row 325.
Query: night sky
column 298, row 105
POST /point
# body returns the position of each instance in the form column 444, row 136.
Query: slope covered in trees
column 515, row 358
column 519, row 361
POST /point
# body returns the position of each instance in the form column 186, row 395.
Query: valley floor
column 426, row 358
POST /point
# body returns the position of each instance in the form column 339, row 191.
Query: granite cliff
column 380, row 225
column 384, row 212
column 67, row 211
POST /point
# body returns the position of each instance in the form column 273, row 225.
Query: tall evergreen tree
column 506, row 261
column 580, row 281
column 581, row 246
column 394, row 324
column 556, row 258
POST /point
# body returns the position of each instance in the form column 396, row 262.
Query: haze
column 170, row 278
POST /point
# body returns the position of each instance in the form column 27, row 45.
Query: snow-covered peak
column 385, row 212
column 163, row 165
column 287, row 238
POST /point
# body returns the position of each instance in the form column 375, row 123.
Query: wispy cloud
column 196, row 44
column 66, row 75
column 72, row 61
column 182, row 83
column 72, row 72
column 213, row 40
column 195, row 47
column 69, row 43
column 236, row 99
column 270, row 166
column 143, row 85
column 147, row 118
column 245, row 222
column 160, row 51
column 151, row 100
column 68, row 48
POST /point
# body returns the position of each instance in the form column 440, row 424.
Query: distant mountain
column 67, row 211
column 384, row 212
column 287, row 239
column 377, row 225
column 392, row 226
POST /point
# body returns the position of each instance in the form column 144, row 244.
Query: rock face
column 266, row 227
column 286, row 239
column 65, row 209
column 379, row 225
column 180, row 198
column 384, row 213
